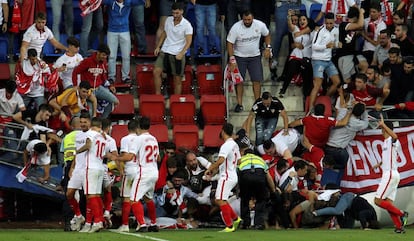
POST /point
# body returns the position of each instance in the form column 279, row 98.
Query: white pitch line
column 140, row 236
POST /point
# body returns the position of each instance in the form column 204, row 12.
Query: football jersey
column 127, row 143
column 147, row 151
column 80, row 141
column 231, row 153
column 94, row 156
column 390, row 154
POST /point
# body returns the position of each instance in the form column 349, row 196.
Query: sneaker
column 111, row 81
column 76, row 223
column 200, row 51
column 123, row 229
column 214, row 51
column 238, row 108
column 142, row 228
column 153, row 228
column 86, row 228
column 126, row 81
column 96, row 227
column 108, row 222
column 404, row 219
column 228, row 230
column 399, row 230
column 236, row 223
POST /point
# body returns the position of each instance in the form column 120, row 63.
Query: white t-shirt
column 294, row 182
column 71, row 62
column 10, row 106
column 127, row 143
column 231, row 153
column 246, row 40
column 94, row 156
column 42, row 159
column 176, row 34
column 146, row 148
column 380, row 26
column 305, row 40
column 37, row 39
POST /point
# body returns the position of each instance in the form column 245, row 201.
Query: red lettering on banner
column 365, row 152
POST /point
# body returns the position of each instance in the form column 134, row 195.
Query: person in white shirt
column 128, row 170
column 95, row 150
column 36, row 36
column 372, row 28
column 147, row 152
column 243, row 46
column 338, row 7
column 171, row 48
column 66, row 63
column 10, row 101
column 30, row 79
column 324, row 40
column 229, row 156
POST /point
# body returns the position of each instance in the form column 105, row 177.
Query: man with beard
column 243, row 46
column 171, row 48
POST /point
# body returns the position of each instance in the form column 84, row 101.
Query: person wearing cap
column 254, row 182
column 266, row 111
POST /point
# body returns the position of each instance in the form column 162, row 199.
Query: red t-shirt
column 317, row 129
column 368, row 96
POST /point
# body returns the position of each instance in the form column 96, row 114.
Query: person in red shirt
column 95, row 70
column 368, row 94
column 316, row 127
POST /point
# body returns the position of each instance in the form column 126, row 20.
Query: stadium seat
column 211, row 136
column 210, row 79
column 118, row 79
column 145, row 79
column 125, row 109
column 160, row 132
column 325, row 100
column 119, row 131
column 314, row 10
column 182, row 109
column 187, row 83
column 152, row 106
column 4, row 48
column 303, row 10
column 213, row 109
column 4, row 74
column 186, row 136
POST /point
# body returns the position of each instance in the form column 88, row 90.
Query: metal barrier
column 11, row 145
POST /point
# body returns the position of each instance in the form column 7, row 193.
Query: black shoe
column 282, row 93
column 153, row 228
column 238, row 108
column 200, row 51
column 127, row 81
column 273, row 74
column 214, row 51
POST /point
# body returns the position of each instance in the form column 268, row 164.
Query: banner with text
column 365, row 151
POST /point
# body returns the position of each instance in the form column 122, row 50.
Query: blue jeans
column 234, row 9
column 57, row 16
column 90, row 32
column 38, row 100
column 344, row 202
column 103, row 93
column 281, row 25
column 264, row 129
column 124, row 41
column 206, row 14
column 137, row 13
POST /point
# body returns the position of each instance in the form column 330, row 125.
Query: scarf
column 388, row 13
column 340, row 7
column 372, row 27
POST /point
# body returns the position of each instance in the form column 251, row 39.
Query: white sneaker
column 76, row 223
column 86, row 228
column 96, row 227
column 108, row 222
column 123, row 228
